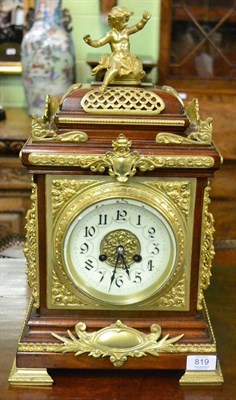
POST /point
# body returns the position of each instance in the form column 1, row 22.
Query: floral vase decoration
column 48, row 59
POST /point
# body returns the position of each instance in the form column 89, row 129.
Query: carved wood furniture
column 14, row 180
column 197, row 44
column 206, row 29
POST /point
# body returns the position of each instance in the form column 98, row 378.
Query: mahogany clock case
column 129, row 137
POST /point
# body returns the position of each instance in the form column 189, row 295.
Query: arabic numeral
column 102, row 275
column 156, row 249
column 151, row 232
column 139, row 220
column 201, row 361
column 102, row 219
column 84, row 248
column 89, row 231
column 89, row 265
column 137, row 278
column 119, row 281
column 150, row 265
column 121, row 215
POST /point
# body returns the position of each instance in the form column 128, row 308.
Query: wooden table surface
column 96, row 385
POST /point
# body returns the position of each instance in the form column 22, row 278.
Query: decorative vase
column 48, row 59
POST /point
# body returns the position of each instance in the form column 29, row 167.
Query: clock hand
column 125, row 266
column 121, row 250
column 114, row 272
column 118, row 256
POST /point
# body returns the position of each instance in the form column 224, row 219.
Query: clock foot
column 203, row 377
column 29, row 376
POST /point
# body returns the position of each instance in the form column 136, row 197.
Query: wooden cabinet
column 198, row 58
column 14, row 180
column 198, row 43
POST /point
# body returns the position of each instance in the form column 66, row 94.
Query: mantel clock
column 119, row 236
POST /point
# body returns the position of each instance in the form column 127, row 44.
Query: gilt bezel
column 103, row 189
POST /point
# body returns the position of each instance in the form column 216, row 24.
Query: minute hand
column 114, row 271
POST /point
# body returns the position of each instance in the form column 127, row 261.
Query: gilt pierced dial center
column 120, row 241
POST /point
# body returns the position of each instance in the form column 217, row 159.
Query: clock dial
column 119, row 251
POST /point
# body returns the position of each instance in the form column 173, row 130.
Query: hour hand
column 120, row 252
column 114, row 271
column 125, row 266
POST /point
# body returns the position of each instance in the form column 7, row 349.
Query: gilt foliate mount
column 198, row 133
column 121, row 163
column 44, row 128
column 117, row 341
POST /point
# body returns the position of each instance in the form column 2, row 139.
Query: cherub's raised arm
column 97, row 43
column 140, row 24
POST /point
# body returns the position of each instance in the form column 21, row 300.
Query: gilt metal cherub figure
column 121, row 64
